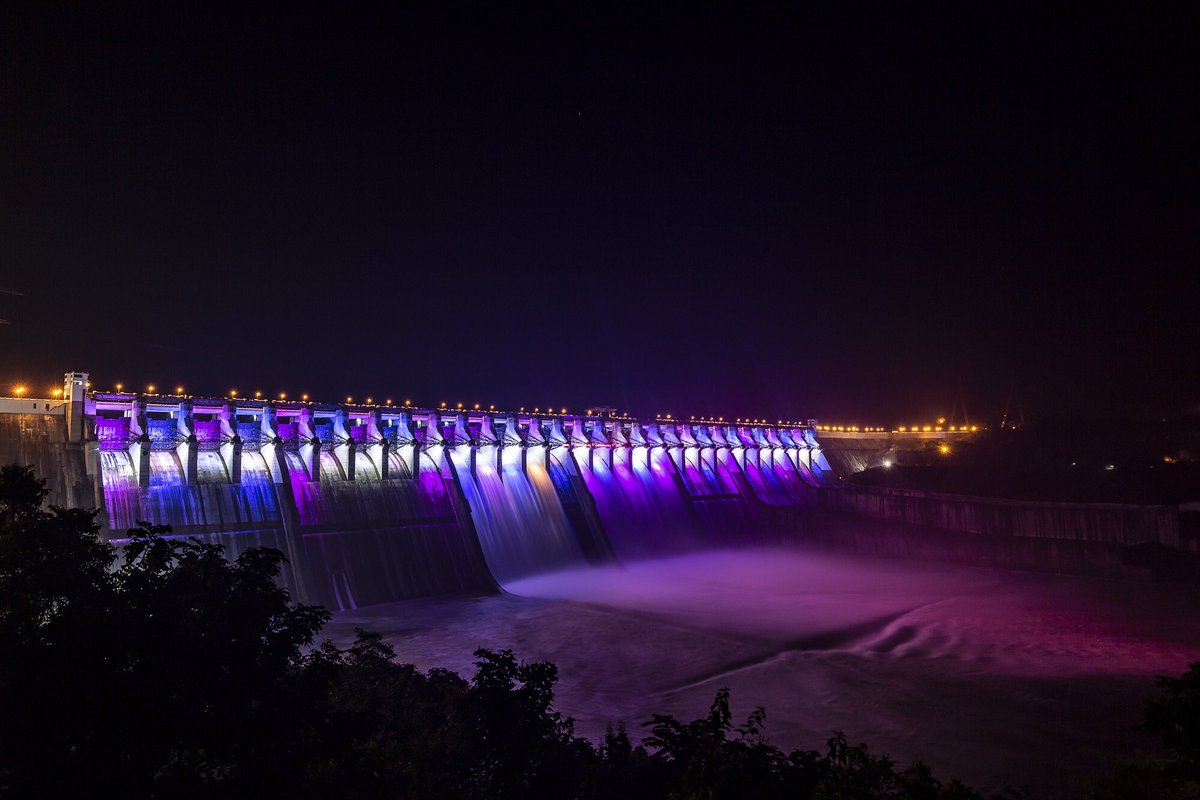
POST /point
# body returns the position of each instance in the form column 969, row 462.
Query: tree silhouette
column 1174, row 716
column 169, row 670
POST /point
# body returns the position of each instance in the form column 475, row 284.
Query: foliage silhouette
column 1174, row 716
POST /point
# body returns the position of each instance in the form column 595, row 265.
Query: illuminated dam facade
column 377, row 503
column 373, row 504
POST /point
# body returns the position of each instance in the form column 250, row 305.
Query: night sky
column 778, row 213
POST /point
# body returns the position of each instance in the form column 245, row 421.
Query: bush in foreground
column 1174, row 716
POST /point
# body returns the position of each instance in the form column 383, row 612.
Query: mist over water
column 996, row 677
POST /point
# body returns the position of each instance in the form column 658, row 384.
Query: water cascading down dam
column 373, row 504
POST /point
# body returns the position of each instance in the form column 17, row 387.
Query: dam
column 373, row 504
column 656, row 560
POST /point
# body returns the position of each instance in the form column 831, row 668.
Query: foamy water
column 996, row 677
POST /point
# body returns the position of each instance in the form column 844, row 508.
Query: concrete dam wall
column 373, row 504
column 376, row 504
column 992, row 516
column 1087, row 538
column 40, row 439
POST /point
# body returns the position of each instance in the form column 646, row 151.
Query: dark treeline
column 168, row 671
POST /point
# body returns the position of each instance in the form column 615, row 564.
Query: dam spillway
column 373, row 504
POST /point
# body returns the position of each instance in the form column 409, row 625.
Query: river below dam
column 996, row 677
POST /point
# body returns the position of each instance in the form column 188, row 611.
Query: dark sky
column 767, row 213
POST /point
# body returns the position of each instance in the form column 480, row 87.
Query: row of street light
column 234, row 394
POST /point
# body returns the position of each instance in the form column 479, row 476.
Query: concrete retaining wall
column 1086, row 522
column 1081, row 538
column 39, row 439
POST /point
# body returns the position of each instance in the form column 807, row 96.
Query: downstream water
column 995, row 677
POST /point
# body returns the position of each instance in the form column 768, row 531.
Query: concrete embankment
column 39, row 439
column 1083, row 538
